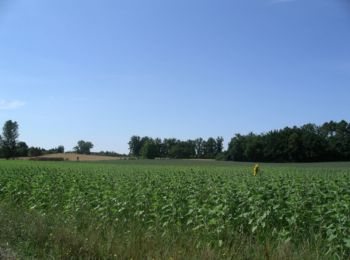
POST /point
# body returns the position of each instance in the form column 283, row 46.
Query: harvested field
column 82, row 157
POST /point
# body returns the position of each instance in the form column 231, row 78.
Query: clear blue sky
column 105, row 70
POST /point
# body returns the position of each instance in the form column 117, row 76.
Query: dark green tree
column 60, row 149
column 35, row 151
column 22, row 149
column 135, row 146
column 199, row 147
column 9, row 139
column 307, row 143
column 83, row 147
column 236, row 148
column 210, row 148
column 150, row 149
column 183, row 150
column 219, row 145
column 168, row 144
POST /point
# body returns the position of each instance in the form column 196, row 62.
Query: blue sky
column 105, row 70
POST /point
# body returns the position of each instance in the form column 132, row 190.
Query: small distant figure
column 77, row 158
column 256, row 170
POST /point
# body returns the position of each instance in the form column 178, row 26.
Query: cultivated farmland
column 175, row 210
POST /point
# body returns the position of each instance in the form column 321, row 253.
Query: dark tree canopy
column 83, row 147
column 308, row 143
column 149, row 148
column 10, row 147
column 135, row 146
column 60, row 149
column 22, row 149
column 8, row 140
column 35, row 151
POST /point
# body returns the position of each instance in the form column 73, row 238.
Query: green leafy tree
column 150, row 149
column 135, row 145
column 210, row 148
column 83, row 147
column 60, row 149
column 9, row 139
column 22, row 149
column 219, row 145
column 35, row 151
column 199, row 147
column 168, row 143
column 307, row 143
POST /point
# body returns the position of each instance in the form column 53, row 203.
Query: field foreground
column 174, row 210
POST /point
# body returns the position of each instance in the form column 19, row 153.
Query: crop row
column 287, row 204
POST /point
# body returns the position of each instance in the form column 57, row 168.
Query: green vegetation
column 149, row 148
column 8, row 140
column 10, row 147
column 83, row 147
column 308, row 143
column 179, row 209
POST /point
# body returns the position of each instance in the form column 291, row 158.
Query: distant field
column 174, row 209
column 80, row 157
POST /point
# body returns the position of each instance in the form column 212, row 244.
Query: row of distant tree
column 150, row 148
column 308, row 143
column 10, row 147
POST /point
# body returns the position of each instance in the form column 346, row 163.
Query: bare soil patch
column 7, row 254
column 80, row 157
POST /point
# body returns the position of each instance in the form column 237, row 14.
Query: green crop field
column 174, row 210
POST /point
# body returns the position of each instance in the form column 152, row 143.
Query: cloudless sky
column 103, row 71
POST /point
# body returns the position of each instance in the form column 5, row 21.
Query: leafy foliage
column 309, row 143
column 149, row 148
column 83, row 147
column 212, row 202
column 9, row 139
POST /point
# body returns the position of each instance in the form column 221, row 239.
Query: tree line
column 150, row 148
column 10, row 147
column 308, row 143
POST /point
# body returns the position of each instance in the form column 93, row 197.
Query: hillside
column 82, row 157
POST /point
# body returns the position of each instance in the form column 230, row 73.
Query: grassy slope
column 82, row 157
